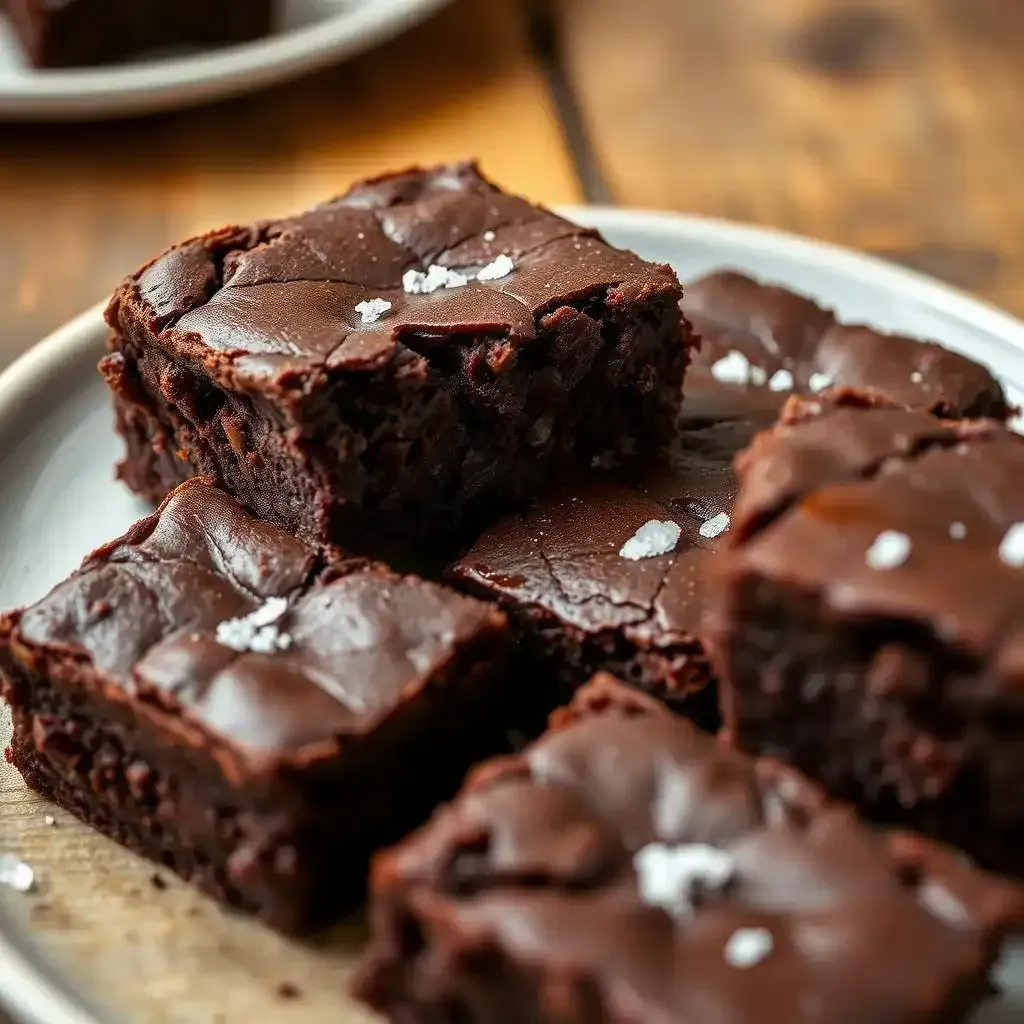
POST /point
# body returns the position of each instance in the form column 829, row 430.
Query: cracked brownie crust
column 775, row 330
column 246, row 355
column 264, row 777
column 80, row 32
column 577, row 606
column 524, row 900
column 865, row 617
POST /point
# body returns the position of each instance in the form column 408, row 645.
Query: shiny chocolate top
column 652, row 871
column 769, row 340
column 881, row 512
column 563, row 553
column 348, row 286
column 230, row 628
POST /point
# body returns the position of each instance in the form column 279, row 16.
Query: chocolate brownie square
column 79, row 32
column 628, row 868
column 257, row 716
column 865, row 617
column 401, row 360
column 607, row 573
column 768, row 343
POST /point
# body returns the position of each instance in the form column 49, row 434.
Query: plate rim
column 111, row 91
column 37, row 994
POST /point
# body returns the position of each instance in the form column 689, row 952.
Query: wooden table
column 896, row 127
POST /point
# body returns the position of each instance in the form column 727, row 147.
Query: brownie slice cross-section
column 252, row 713
column 628, row 868
column 410, row 356
column 865, row 617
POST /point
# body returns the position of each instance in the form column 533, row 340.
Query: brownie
column 80, row 32
column 627, row 867
column 254, row 714
column 396, row 362
column 772, row 342
column 585, row 593
column 864, row 617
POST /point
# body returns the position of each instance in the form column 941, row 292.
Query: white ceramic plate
column 312, row 34
column 57, row 448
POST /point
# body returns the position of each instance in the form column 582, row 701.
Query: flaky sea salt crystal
column 916, row 377
column 372, row 310
column 257, row 631
column 748, row 947
column 957, row 531
column 758, row 375
column 652, row 539
column 15, row 873
column 489, row 236
column 675, row 877
column 1011, row 549
column 715, row 526
column 732, row 369
column 416, row 282
column 49, row 819
column 889, row 550
column 782, row 380
column 819, row 381
column 501, row 267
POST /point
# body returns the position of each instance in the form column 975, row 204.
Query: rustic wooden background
column 895, row 126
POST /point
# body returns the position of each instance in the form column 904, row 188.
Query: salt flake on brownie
column 654, row 538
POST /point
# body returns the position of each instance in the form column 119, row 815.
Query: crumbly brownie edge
column 275, row 845
column 558, row 659
column 361, row 456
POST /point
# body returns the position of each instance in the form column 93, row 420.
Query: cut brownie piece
column 79, row 32
column 866, row 617
column 216, row 696
column 629, row 868
column 608, row 573
column 417, row 352
column 771, row 341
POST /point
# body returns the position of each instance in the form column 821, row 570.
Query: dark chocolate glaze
column 276, row 304
column 524, row 901
column 776, row 329
column 144, row 610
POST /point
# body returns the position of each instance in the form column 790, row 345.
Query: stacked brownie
column 68, row 33
column 243, row 688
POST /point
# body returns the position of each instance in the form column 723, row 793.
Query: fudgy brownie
column 419, row 351
column 628, row 868
column 219, row 697
column 865, row 615
column 774, row 342
column 607, row 573
column 79, row 32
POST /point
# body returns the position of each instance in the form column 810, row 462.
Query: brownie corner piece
column 215, row 695
column 863, row 617
column 415, row 353
column 628, row 867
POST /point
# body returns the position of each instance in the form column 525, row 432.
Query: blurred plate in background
column 313, row 33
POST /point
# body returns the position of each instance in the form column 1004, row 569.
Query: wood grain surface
column 894, row 126
column 83, row 205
